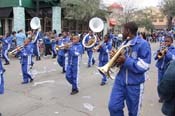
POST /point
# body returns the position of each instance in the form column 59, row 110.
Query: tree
column 81, row 9
column 168, row 8
column 144, row 19
column 129, row 9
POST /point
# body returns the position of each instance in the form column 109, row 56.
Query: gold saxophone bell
column 162, row 53
column 106, row 69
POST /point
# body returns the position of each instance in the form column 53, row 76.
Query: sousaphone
column 35, row 23
column 96, row 25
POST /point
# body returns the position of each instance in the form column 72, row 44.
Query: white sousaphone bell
column 96, row 25
column 35, row 23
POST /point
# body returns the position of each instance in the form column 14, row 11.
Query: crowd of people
column 68, row 49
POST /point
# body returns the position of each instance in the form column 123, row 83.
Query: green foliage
column 81, row 9
column 168, row 8
column 144, row 19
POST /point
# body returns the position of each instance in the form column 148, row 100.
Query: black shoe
column 24, row 82
column 74, row 92
column 93, row 62
column 7, row 63
column 63, row 70
column 0, row 114
column 102, row 83
column 31, row 80
column 54, row 56
column 38, row 58
column 160, row 100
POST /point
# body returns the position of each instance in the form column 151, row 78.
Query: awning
column 112, row 22
column 5, row 12
column 30, row 12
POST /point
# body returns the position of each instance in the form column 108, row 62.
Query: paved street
column 49, row 94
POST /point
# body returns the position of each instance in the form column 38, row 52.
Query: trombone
column 13, row 52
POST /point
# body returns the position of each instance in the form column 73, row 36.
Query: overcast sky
column 138, row 3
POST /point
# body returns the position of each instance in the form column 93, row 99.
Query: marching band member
column 91, row 59
column 7, row 41
column 25, row 54
column 20, row 37
column 2, row 70
column 47, row 44
column 128, row 85
column 62, row 53
column 167, row 56
column 37, row 37
column 53, row 37
column 104, row 56
column 74, row 55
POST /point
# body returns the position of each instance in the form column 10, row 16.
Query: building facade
column 17, row 14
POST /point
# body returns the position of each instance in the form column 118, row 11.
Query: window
column 160, row 20
column 154, row 20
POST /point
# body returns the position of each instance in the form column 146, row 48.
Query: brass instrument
column 13, row 52
column 91, row 42
column 98, row 46
column 162, row 53
column 96, row 25
column 64, row 46
column 106, row 69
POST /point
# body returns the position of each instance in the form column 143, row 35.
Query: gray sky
column 137, row 3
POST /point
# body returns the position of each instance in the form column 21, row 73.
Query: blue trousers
column 25, row 71
column 5, row 55
column 104, row 78
column 53, row 50
column 61, row 61
column 133, row 96
column 72, row 76
column 91, row 59
column 160, row 77
column 36, row 51
column 1, row 84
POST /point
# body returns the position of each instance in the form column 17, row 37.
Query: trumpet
column 106, row 69
column 64, row 46
column 13, row 52
column 162, row 53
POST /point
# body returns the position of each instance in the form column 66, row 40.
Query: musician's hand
column 58, row 38
column 1, row 36
column 18, row 49
column 112, row 53
column 66, row 45
column 121, row 59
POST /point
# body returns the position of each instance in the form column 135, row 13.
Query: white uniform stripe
column 28, row 64
column 0, row 79
column 35, row 37
column 142, row 64
column 140, row 99
column 37, row 47
column 173, row 57
column 78, row 69
column 66, row 60
column 6, row 51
